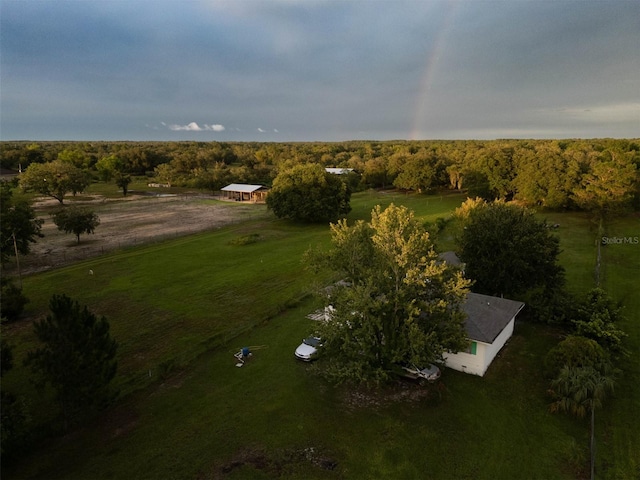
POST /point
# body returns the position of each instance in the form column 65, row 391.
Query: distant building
column 7, row 174
column 242, row 192
column 338, row 171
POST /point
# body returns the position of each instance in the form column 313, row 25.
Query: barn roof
column 242, row 187
column 487, row 316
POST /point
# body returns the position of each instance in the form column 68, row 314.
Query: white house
column 489, row 324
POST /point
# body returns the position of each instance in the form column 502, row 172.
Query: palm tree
column 578, row 391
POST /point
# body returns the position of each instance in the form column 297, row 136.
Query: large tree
column 307, row 193
column 19, row 225
column 123, row 180
column 113, row 167
column 398, row 303
column 609, row 185
column 76, row 357
column 108, row 166
column 546, row 177
column 76, row 220
column 507, row 250
column 54, row 179
column 213, row 178
column 418, row 174
column 75, row 157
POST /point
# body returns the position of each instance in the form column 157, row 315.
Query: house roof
column 242, row 187
column 7, row 172
column 338, row 171
column 487, row 316
column 451, row 258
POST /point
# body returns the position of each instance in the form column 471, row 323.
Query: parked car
column 430, row 373
column 308, row 349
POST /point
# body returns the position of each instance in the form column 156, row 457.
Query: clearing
column 133, row 220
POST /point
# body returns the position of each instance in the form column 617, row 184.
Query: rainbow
column 433, row 59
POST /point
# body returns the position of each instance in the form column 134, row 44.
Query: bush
column 575, row 352
column 15, row 418
column 15, row 425
column 13, row 301
column 598, row 318
column 553, row 306
column 246, row 239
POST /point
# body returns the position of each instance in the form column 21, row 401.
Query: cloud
column 319, row 69
column 620, row 112
column 194, row 127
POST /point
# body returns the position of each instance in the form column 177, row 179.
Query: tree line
column 598, row 175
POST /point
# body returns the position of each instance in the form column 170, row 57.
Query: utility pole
column 15, row 247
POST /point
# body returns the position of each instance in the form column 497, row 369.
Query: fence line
column 598, row 269
column 65, row 256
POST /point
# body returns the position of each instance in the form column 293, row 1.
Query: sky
column 311, row 70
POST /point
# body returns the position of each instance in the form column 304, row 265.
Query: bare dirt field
column 128, row 221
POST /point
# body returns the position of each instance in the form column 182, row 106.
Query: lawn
column 180, row 309
column 619, row 448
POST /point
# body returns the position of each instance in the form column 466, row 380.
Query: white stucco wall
column 485, row 353
column 466, row 362
column 492, row 350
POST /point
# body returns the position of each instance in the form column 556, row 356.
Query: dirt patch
column 276, row 464
column 400, row 391
column 129, row 221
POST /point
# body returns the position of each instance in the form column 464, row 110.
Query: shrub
column 575, row 352
column 13, row 301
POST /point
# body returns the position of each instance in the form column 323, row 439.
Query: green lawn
column 618, row 425
column 180, row 309
column 268, row 416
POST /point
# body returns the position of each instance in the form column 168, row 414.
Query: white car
column 308, row 349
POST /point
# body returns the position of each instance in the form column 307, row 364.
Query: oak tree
column 398, row 304
column 54, row 179
column 307, row 193
column 76, row 220
column 507, row 250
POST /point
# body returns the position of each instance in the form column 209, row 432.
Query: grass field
column 180, row 309
column 619, row 449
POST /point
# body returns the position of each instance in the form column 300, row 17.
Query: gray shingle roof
column 487, row 316
column 451, row 258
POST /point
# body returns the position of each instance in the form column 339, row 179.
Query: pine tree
column 77, row 357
